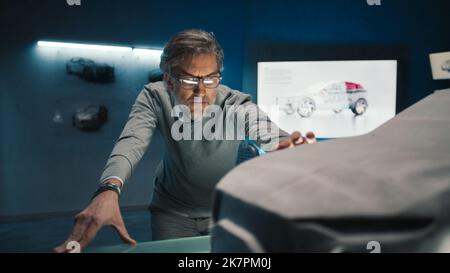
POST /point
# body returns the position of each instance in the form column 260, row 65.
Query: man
column 192, row 62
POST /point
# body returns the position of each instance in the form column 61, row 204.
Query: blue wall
column 423, row 27
column 45, row 168
column 52, row 167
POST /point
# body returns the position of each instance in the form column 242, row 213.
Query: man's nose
column 200, row 88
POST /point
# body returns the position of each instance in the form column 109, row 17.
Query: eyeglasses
column 187, row 82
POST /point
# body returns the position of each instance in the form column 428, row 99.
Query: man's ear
column 168, row 81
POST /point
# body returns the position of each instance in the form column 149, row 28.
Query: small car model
column 336, row 96
column 89, row 70
column 90, row 118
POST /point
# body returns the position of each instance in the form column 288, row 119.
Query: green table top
column 200, row 244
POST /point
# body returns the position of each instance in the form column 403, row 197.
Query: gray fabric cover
column 392, row 184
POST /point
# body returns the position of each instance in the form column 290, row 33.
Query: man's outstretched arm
column 127, row 152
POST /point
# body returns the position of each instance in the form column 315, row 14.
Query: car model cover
column 389, row 188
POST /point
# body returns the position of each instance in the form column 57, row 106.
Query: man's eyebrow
column 188, row 74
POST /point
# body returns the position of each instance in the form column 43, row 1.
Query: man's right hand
column 103, row 210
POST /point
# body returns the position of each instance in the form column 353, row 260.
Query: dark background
column 47, row 169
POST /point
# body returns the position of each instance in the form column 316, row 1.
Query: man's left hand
column 296, row 139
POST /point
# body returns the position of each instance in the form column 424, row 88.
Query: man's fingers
column 284, row 144
column 61, row 249
column 80, row 226
column 296, row 138
column 310, row 135
column 123, row 233
column 300, row 141
column 310, row 138
column 90, row 233
column 290, row 142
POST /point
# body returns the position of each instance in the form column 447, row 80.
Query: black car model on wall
column 90, row 118
column 89, row 70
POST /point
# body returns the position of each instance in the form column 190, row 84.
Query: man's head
column 192, row 62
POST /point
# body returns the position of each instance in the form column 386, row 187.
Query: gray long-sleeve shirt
column 186, row 177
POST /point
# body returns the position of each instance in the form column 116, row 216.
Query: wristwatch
column 107, row 186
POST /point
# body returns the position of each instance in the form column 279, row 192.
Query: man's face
column 199, row 96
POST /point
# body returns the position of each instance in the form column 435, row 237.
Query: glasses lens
column 188, row 83
column 208, row 82
column 211, row 82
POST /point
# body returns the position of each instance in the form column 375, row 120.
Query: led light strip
column 84, row 46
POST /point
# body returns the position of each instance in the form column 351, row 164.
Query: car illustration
column 335, row 96
column 89, row 70
column 446, row 66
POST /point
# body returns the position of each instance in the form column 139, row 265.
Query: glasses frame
column 195, row 81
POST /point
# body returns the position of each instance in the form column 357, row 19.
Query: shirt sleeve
column 260, row 128
column 134, row 139
column 113, row 177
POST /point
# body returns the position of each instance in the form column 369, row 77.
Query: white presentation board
column 331, row 98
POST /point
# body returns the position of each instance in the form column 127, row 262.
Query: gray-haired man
column 192, row 62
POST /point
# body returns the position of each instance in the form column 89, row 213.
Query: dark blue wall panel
column 49, row 169
column 422, row 27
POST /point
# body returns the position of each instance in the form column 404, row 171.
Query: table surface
column 200, row 244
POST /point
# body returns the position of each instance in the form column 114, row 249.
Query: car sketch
column 89, row 70
column 336, row 96
column 446, row 66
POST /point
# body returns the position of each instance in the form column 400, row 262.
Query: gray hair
column 187, row 44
